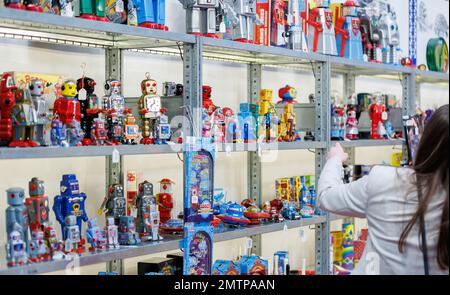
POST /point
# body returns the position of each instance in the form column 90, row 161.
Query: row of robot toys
column 32, row 214
column 144, row 13
column 79, row 115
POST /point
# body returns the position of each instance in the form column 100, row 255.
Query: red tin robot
column 378, row 115
column 37, row 205
column 207, row 102
column 7, row 102
column 165, row 200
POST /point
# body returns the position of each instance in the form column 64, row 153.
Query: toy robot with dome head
column 71, row 202
column 390, row 40
column 114, row 204
column 149, row 109
column 17, row 213
column 16, row 248
column 165, row 200
column 147, row 221
column 371, row 37
column 201, row 17
column 243, row 17
column 42, row 134
column 37, row 205
column 113, row 99
column 95, row 236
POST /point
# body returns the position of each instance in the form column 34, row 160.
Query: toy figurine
column 37, row 247
column 338, row 120
column 72, row 241
column 243, row 18
column 24, row 119
column 279, row 23
column 390, row 131
column 99, row 134
column 234, row 215
column 201, row 17
column 131, row 129
column 41, row 106
column 207, row 102
column 295, row 32
column 58, row 133
column 163, row 129
column 270, row 121
column 16, row 213
column 207, row 125
column 115, row 127
column 70, row 203
column 33, row 5
column 95, row 236
column 111, row 233
column 149, row 109
column 92, row 9
column 352, row 132
column 54, row 246
column 274, row 209
column 68, row 110
column 147, row 221
column 127, row 231
column 16, row 249
column 165, row 199
column 253, row 213
column 218, row 127
column 289, row 211
column 348, row 33
column 15, row 4
column 8, row 91
column 37, row 205
column 113, row 99
column 371, row 38
column 90, row 105
column 288, row 94
column 287, row 127
column 321, row 34
column 390, row 40
column 132, row 190
column 114, row 204
column 248, row 122
column 231, row 126
column 151, row 13
column 378, row 115
column 171, row 89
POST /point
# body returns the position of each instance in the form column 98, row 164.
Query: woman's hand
column 338, row 151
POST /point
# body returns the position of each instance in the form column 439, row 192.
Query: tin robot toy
column 71, row 202
column 54, row 246
column 218, row 127
column 99, row 134
column 287, row 130
column 131, row 129
column 17, row 213
column 378, row 115
column 390, row 40
column 165, row 200
column 37, row 205
column 58, row 133
column 371, row 38
column 243, row 18
column 114, row 204
column 92, row 9
column 321, row 34
column 150, row 109
column 201, row 17
column 279, row 23
column 352, row 132
column 163, row 129
column 348, row 33
column 8, row 91
column 90, row 105
column 42, row 134
column 151, row 13
column 295, row 33
column 338, row 122
column 132, row 191
column 38, row 250
column 127, row 231
column 68, row 110
column 114, row 127
column 72, row 233
column 111, row 233
column 16, row 248
column 147, row 221
column 268, row 116
column 231, row 126
column 248, row 122
column 113, row 99
column 24, row 120
column 288, row 94
column 207, row 102
column 95, row 236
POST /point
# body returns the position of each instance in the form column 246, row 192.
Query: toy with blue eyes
column 16, row 213
column 70, row 202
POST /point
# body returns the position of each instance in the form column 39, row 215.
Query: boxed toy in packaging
column 253, row 265
column 157, row 265
column 225, row 268
column 198, row 249
column 262, row 32
column 337, row 246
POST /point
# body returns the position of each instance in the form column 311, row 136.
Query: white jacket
column 388, row 199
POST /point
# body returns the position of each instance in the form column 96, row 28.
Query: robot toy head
column 7, row 83
column 149, row 86
column 87, row 84
column 69, row 185
column 266, row 95
column 288, row 93
column 350, row 8
column 69, row 88
column 16, row 196
column 36, row 187
column 389, row 28
column 70, row 220
column 36, row 87
column 206, row 92
column 116, row 191
column 146, row 188
column 166, row 185
column 228, row 112
column 15, row 236
column 113, row 87
column 50, row 233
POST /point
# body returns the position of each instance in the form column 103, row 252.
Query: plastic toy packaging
column 225, row 268
column 198, row 249
column 281, row 263
column 253, row 265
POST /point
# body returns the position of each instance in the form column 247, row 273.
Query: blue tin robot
column 70, row 202
column 58, row 133
column 248, row 122
column 151, row 14
column 17, row 213
column 348, row 33
column 127, row 231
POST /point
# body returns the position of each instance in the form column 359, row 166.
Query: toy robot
column 151, row 13
column 90, row 106
column 95, row 236
column 37, row 205
column 58, row 133
column 163, row 129
column 111, row 233
column 8, row 92
column 127, row 231
column 296, row 35
column 147, row 221
column 16, row 213
column 390, row 40
column 150, row 110
column 16, row 248
column 24, row 119
column 218, row 127
column 288, row 94
column 72, row 233
column 171, row 89
column 54, row 246
column 165, row 200
column 348, row 33
column 371, row 38
column 321, row 34
column 68, row 110
column 231, row 126
column 274, row 208
column 352, row 124
column 248, row 122
column 70, row 203
column 131, row 129
column 243, row 17
column 378, row 115
column 289, row 211
column 113, row 99
column 270, row 121
column 287, row 126
column 99, row 134
column 114, row 204
column 279, row 23
column 338, row 122
column 207, row 102
column 92, row 9
column 132, row 188
column 37, row 247
column 114, row 127
column 41, row 106
column 201, row 17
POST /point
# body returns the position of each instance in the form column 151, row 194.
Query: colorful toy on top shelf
column 279, row 23
column 390, row 40
column 66, row 8
column 95, row 236
column 269, row 125
column 248, row 122
column 15, row 4
column 41, row 132
column 201, row 16
column 130, row 129
column 371, row 37
column 225, row 268
column 127, row 231
column 287, row 130
column 348, row 33
column 111, row 233
column 147, row 221
column 16, row 248
column 16, row 213
column 72, row 241
column 68, row 110
column 253, row 213
column 242, row 16
column 295, row 33
column 114, row 204
column 37, row 205
column 70, row 202
column 198, row 249
column 165, row 199
column 8, row 92
column 288, row 94
column 321, row 35
column 92, row 9
column 437, row 55
column 234, row 215
column 38, row 249
column 253, row 265
column 149, row 109
column 378, row 115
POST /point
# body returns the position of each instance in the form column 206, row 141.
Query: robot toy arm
column 103, row 208
column 85, row 216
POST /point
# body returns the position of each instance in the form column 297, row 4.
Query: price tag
column 116, row 156
column 119, row 6
column 249, row 243
column 82, row 94
column 285, row 228
column 222, row 28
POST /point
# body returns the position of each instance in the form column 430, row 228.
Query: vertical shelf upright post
column 409, row 96
column 254, row 171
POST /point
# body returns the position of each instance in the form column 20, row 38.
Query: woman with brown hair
column 406, row 208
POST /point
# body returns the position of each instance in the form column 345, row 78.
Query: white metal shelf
column 370, row 143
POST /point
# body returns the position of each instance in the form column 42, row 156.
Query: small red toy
column 165, row 200
column 207, row 102
column 7, row 102
column 378, row 114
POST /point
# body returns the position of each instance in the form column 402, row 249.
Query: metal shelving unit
column 114, row 38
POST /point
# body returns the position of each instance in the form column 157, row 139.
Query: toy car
column 234, row 215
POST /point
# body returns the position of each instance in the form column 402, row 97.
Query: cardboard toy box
column 262, row 32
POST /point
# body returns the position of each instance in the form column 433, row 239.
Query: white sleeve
column 339, row 198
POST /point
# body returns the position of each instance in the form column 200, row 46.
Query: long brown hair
column 431, row 170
